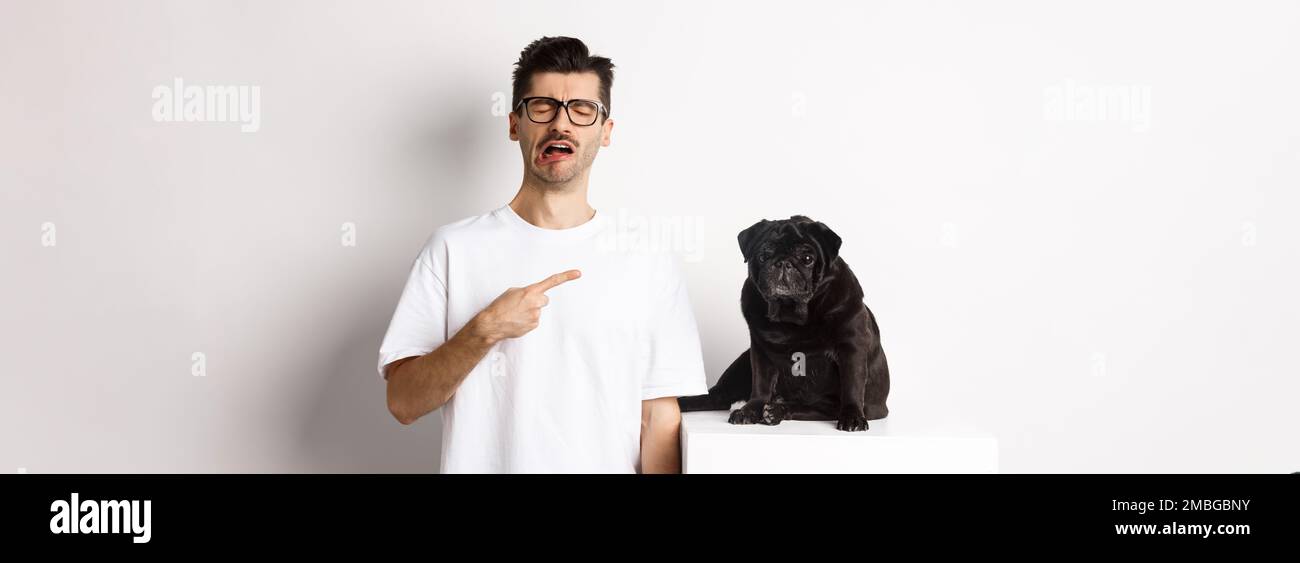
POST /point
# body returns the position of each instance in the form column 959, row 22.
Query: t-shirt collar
column 584, row 230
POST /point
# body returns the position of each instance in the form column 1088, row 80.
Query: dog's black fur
column 802, row 298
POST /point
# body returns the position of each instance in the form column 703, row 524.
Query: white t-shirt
column 566, row 397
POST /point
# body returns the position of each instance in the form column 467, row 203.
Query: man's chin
column 557, row 173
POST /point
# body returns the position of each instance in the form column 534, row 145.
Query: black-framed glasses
column 541, row 109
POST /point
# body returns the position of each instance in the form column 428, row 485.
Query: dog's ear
column 749, row 238
column 829, row 241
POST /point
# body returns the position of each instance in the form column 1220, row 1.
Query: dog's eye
column 807, row 259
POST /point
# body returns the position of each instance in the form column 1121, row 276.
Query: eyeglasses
column 541, row 109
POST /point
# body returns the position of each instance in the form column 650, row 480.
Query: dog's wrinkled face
column 788, row 261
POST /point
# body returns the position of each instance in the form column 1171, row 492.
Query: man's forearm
column 661, row 450
column 419, row 385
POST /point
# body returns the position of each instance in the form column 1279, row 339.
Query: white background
column 1104, row 295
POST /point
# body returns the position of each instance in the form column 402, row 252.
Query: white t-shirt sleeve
column 676, row 362
column 419, row 323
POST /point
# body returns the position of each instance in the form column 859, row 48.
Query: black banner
column 151, row 512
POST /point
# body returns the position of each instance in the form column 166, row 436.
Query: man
column 546, row 350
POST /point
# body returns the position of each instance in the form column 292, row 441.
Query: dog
column 815, row 350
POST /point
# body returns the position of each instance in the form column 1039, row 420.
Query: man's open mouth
column 555, row 151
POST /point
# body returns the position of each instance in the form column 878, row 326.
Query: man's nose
column 561, row 122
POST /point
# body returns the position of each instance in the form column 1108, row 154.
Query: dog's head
column 788, row 260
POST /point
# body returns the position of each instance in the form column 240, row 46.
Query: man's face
column 560, row 168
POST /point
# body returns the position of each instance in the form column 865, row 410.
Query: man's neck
column 553, row 208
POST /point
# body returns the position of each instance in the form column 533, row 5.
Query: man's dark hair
column 564, row 55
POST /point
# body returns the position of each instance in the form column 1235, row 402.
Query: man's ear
column 749, row 238
column 829, row 241
column 514, row 125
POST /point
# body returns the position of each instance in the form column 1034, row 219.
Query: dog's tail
column 734, row 385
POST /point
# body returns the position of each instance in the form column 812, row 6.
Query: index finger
column 554, row 280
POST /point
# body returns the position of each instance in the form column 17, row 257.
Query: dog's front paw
column 852, row 419
column 751, row 413
column 773, row 413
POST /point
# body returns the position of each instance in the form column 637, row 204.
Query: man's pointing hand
column 516, row 311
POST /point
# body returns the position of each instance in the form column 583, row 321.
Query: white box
column 894, row 444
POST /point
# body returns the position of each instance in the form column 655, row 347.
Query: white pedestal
column 891, row 445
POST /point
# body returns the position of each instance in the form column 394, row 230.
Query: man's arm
column 661, row 450
column 420, row 384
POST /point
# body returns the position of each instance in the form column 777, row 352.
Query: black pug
column 814, row 345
